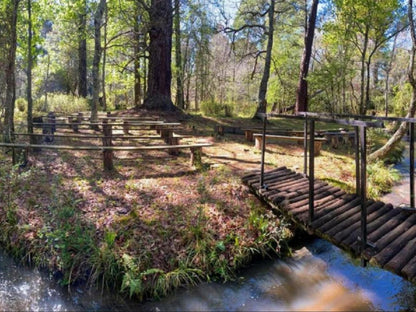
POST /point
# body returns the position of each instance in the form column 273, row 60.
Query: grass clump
column 381, row 178
column 213, row 108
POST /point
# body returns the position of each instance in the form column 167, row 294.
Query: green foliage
column 21, row 104
column 381, row 178
column 401, row 99
column 377, row 138
column 61, row 104
column 213, row 108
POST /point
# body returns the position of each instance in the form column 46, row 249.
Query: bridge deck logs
column 338, row 218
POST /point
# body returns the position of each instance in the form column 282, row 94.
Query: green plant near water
column 381, row 179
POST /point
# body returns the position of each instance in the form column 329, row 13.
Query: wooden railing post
column 263, row 151
column 311, row 169
column 305, row 146
column 412, row 164
column 363, row 190
column 126, row 127
column 357, row 161
column 107, row 141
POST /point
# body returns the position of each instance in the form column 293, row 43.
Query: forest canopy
column 204, row 55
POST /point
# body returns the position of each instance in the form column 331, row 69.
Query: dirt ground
column 153, row 210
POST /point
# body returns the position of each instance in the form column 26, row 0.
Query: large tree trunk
column 398, row 135
column 262, row 102
column 82, row 52
column 178, row 58
column 160, row 74
column 302, row 91
column 98, row 16
column 10, row 73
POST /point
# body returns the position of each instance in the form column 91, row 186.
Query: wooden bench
column 258, row 140
column 335, row 138
column 249, row 132
column 196, row 150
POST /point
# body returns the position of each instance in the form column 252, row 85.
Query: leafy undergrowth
column 150, row 226
column 154, row 223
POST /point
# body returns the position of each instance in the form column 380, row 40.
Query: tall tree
column 98, row 18
column 82, row 50
column 262, row 102
column 12, row 10
column 302, row 91
column 370, row 26
column 401, row 131
column 178, row 58
column 158, row 95
column 29, row 71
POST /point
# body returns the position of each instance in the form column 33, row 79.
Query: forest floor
column 154, row 223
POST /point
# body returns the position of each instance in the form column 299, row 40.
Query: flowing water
column 319, row 277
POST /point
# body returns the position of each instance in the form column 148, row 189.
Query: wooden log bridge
column 337, row 215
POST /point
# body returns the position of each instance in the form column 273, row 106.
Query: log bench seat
column 258, row 140
column 196, row 150
column 336, row 138
column 249, row 132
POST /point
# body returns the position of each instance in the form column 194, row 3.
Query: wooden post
column 363, row 191
column 107, row 141
column 196, row 157
column 80, row 117
column 173, row 141
column 126, row 127
column 357, row 161
column 248, row 133
column 166, row 134
column 73, row 124
column 263, row 152
column 311, row 169
column 305, row 146
column 258, row 142
column 412, row 164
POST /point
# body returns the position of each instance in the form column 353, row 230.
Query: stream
column 319, row 277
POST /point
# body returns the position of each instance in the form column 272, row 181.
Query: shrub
column 61, row 103
column 213, row 108
column 381, row 178
column 21, row 104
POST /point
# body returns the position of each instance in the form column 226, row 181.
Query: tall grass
column 61, row 104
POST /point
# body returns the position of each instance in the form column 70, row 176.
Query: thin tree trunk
column 388, row 70
column 29, row 72
column 363, row 108
column 104, row 97
column 398, row 135
column 137, row 78
column 178, row 58
column 45, row 104
column 10, row 74
column 82, row 52
column 98, row 16
column 302, row 91
column 262, row 102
